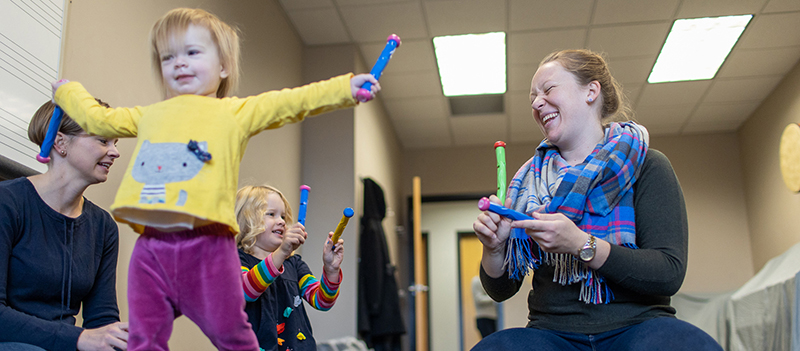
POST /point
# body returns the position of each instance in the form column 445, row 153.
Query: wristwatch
column 588, row 250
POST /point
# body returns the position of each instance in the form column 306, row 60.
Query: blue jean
column 18, row 346
column 658, row 334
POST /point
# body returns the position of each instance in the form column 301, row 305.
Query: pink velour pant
column 196, row 273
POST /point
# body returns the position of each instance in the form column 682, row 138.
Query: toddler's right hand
column 57, row 84
column 358, row 80
column 293, row 239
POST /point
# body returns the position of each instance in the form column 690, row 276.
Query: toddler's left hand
column 358, row 80
column 332, row 257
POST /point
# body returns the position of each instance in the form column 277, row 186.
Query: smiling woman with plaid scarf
column 608, row 243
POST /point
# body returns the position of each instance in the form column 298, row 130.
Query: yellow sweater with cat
column 169, row 184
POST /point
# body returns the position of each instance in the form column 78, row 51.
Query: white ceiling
column 629, row 32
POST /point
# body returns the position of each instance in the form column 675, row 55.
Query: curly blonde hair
column 251, row 205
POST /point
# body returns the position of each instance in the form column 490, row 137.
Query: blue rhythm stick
column 301, row 213
column 392, row 42
column 484, row 204
column 519, row 257
column 50, row 137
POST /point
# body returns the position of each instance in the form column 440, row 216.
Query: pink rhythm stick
column 392, row 42
column 301, row 213
column 484, row 204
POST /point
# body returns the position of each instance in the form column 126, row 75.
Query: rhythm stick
column 484, row 204
column 301, row 213
column 500, row 151
column 346, row 214
column 50, row 137
column 392, row 42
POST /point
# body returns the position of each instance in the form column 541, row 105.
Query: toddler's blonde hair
column 175, row 23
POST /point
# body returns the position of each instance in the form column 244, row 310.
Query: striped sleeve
column 256, row 280
column 320, row 296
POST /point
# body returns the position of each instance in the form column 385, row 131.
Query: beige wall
column 709, row 171
column 106, row 48
column 339, row 149
column 772, row 209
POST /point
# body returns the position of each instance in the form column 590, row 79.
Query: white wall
column 443, row 221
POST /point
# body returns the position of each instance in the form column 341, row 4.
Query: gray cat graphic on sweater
column 161, row 163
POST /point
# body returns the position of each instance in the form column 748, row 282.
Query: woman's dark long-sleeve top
column 642, row 280
column 50, row 264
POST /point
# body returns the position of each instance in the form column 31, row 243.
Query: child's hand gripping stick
column 301, row 213
column 50, row 137
column 500, row 151
column 484, row 204
column 346, row 214
column 392, row 42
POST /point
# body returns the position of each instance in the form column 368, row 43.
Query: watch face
column 587, row 254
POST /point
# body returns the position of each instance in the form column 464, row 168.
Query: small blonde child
column 178, row 190
column 275, row 281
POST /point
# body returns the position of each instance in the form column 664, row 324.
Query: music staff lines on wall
column 30, row 50
column 53, row 25
column 8, row 136
column 24, row 68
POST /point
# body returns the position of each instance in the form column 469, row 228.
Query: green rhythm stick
column 500, row 151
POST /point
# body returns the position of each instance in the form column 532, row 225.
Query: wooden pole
column 420, row 278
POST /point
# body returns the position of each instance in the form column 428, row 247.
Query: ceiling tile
column 548, row 14
column 723, row 113
column 782, row 5
column 345, row 3
column 714, row 8
column 710, row 127
column 289, row 5
column 666, row 94
column 375, row 23
column 411, row 56
column 750, row 62
column 629, row 40
column 479, row 129
column 412, row 84
column 529, row 48
column 424, row 133
column 621, row 11
column 413, row 109
column 769, row 31
column 465, row 16
column 519, row 78
column 741, row 89
column 631, row 70
column 522, row 127
column 660, row 116
column 631, row 92
column 319, row 26
column 663, row 129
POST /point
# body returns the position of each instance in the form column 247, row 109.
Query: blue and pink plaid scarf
column 597, row 195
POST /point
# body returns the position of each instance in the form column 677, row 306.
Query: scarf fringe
column 519, row 254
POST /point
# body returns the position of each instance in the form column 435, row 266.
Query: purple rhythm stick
column 392, row 42
column 50, row 136
column 484, row 204
column 301, row 213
